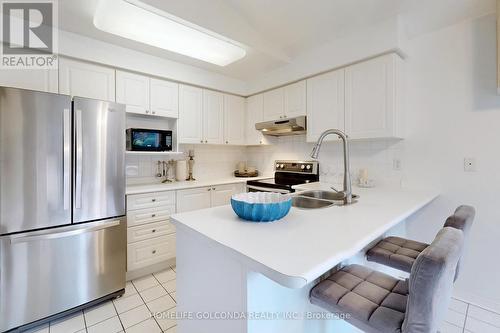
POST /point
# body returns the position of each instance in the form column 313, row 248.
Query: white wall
column 453, row 112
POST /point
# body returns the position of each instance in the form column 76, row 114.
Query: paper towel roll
column 181, row 170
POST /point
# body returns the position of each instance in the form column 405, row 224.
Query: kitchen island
column 237, row 276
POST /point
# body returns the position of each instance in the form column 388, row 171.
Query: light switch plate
column 470, row 164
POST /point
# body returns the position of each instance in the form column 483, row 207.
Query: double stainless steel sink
column 320, row 199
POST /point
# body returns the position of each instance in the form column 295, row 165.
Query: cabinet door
column 164, row 98
column 274, row 104
column 370, row 98
column 32, row 79
column 213, row 117
column 325, row 104
column 221, row 194
column 295, row 99
column 133, row 91
column 190, row 114
column 193, row 199
column 77, row 78
column 254, row 114
column 234, row 120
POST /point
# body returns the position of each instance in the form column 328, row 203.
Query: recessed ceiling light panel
column 138, row 21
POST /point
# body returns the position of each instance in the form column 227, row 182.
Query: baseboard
column 161, row 266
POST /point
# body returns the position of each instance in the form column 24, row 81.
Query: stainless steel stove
column 286, row 175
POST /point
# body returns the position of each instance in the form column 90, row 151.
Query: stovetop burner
column 287, row 174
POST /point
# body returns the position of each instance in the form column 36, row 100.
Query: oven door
column 253, row 188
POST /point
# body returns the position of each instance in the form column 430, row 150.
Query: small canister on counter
column 181, row 170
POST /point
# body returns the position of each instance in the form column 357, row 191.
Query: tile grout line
column 156, row 321
column 145, row 304
column 84, row 321
column 466, row 316
column 161, row 284
column 118, row 315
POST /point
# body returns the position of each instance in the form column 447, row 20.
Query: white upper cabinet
column 164, row 98
column 274, row 104
column 77, row 78
column 325, row 104
column 145, row 95
column 133, row 90
column 372, row 108
column 234, row 120
column 32, row 79
column 286, row 102
column 254, row 114
column 190, row 114
column 295, row 99
column 213, row 117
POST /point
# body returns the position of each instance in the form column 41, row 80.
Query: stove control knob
column 277, row 166
column 302, row 167
column 282, row 166
column 308, row 167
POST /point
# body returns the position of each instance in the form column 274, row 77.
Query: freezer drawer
column 46, row 272
column 99, row 157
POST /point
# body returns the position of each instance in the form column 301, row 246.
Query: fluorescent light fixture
column 138, row 21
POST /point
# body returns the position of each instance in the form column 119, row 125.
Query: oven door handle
column 267, row 189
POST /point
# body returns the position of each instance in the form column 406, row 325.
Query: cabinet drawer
column 151, row 251
column 148, row 215
column 148, row 200
column 150, row 230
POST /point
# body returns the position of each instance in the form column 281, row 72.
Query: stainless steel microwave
column 141, row 139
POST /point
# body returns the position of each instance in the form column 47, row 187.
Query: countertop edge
column 158, row 187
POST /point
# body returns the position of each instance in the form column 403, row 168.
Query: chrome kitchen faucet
column 347, row 169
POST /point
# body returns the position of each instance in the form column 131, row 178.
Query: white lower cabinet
column 150, row 251
column 221, row 194
column 206, row 197
column 150, row 234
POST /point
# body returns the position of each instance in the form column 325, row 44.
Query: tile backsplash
column 380, row 158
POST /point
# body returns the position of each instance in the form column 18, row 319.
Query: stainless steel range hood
column 292, row 126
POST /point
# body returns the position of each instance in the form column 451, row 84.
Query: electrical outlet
column 396, row 164
column 470, row 164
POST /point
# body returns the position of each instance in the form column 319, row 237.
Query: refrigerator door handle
column 79, row 159
column 70, row 231
column 66, row 158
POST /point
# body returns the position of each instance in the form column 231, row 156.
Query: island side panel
column 209, row 283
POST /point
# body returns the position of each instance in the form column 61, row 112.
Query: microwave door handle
column 79, row 159
column 66, row 158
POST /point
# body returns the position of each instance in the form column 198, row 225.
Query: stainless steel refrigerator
column 62, row 205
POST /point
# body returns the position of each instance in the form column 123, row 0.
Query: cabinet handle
column 147, row 111
column 213, row 188
column 209, row 189
column 154, row 230
column 206, row 141
column 227, row 142
column 153, row 215
column 260, row 141
column 201, row 141
column 154, row 112
column 154, row 251
column 153, row 200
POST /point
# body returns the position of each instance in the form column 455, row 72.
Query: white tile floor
column 155, row 293
column 131, row 313
column 467, row 318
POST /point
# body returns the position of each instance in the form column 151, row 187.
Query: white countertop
column 158, row 187
column 306, row 243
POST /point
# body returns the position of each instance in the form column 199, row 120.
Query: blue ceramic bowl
column 261, row 206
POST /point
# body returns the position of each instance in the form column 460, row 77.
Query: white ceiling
column 277, row 31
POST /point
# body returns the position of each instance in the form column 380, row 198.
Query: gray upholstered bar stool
column 378, row 303
column 400, row 253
